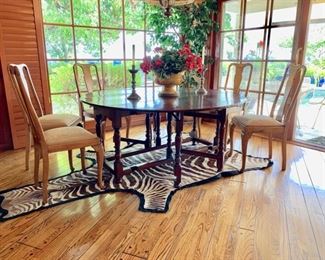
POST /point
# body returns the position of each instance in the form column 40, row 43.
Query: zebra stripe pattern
column 154, row 186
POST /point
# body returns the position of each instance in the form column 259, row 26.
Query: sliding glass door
column 261, row 33
column 310, row 124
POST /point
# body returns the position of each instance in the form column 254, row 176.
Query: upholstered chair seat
column 51, row 121
column 255, row 121
column 71, row 137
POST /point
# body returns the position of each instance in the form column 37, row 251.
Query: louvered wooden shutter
column 22, row 41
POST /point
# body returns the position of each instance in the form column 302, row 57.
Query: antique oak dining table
column 113, row 104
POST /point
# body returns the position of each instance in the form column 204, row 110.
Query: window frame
column 267, row 32
column 101, row 60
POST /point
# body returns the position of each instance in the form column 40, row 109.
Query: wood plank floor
column 257, row 215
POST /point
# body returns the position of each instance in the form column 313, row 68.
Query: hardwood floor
column 257, row 215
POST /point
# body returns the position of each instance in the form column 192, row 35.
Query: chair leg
column 244, row 142
column 199, row 122
column 83, row 161
column 128, row 124
column 70, row 160
column 37, row 156
column 45, row 176
column 28, row 148
column 284, row 151
column 100, row 161
column 270, row 145
column 231, row 136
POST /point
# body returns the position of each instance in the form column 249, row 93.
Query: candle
column 203, row 55
column 133, row 54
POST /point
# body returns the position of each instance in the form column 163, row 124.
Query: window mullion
column 271, row 4
column 124, row 47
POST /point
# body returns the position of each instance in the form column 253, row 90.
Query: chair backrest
column 239, row 70
column 290, row 87
column 87, row 75
column 22, row 83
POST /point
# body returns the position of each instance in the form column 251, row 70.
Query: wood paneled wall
column 21, row 41
column 5, row 133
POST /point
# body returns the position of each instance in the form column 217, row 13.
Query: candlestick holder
column 202, row 90
column 133, row 95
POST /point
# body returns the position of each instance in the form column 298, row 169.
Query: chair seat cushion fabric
column 233, row 111
column 66, row 138
column 58, row 120
column 255, row 121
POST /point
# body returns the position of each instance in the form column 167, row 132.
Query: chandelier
column 168, row 4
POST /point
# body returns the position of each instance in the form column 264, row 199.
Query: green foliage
column 275, row 70
column 56, row 11
column 61, row 77
column 85, row 12
column 111, row 13
column 227, row 22
column 59, row 42
column 191, row 22
column 315, row 60
column 113, row 74
column 134, row 15
column 314, row 57
column 87, row 43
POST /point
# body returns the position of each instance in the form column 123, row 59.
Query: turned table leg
column 157, row 124
column 221, row 119
column 169, row 136
column 178, row 146
column 194, row 134
column 99, row 121
column 118, row 166
column 148, row 132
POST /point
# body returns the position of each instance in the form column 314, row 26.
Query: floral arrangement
column 168, row 62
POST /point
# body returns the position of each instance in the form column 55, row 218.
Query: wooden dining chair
column 280, row 115
column 89, row 74
column 237, row 82
column 239, row 70
column 48, row 121
column 51, row 140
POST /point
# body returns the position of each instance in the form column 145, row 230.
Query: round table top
column 188, row 100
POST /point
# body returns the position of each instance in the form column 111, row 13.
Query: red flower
column 198, row 60
column 190, row 62
column 199, row 64
column 260, row 44
column 186, row 50
column 146, row 65
column 157, row 63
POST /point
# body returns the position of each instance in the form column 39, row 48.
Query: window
column 310, row 124
column 260, row 32
column 92, row 31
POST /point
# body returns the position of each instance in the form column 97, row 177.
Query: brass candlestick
column 133, row 95
column 202, row 90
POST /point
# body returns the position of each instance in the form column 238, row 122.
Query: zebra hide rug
column 154, row 186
